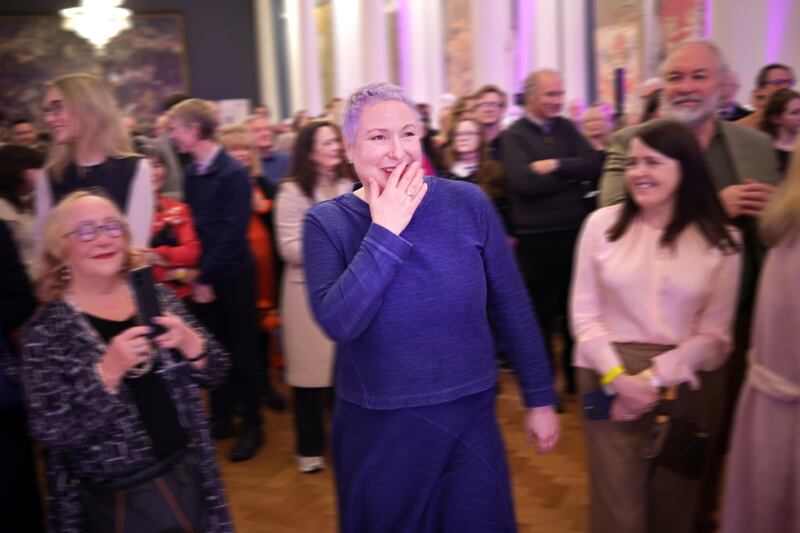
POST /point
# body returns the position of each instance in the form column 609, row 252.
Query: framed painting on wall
column 142, row 64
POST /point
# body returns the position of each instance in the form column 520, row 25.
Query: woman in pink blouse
column 654, row 292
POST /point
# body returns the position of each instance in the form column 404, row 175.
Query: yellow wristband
column 611, row 375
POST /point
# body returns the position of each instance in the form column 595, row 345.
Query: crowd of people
column 384, row 270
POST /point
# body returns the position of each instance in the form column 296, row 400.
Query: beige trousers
column 630, row 494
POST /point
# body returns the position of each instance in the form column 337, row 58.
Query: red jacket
column 186, row 254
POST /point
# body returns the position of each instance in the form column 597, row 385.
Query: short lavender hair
column 365, row 97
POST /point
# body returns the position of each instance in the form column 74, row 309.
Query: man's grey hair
column 365, row 97
column 722, row 63
column 532, row 80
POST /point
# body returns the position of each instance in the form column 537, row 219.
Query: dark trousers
column 545, row 260
column 20, row 502
column 735, row 371
column 309, row 419
column 435, row 468
column 233, row 320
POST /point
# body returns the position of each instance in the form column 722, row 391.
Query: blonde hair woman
column 763, row 467
column 116, row 411
column 91, row 149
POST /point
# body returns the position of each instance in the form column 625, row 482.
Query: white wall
column 756, row 32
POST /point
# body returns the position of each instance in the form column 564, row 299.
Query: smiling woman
column 115, row 408
column 403, row 275
column 654, row 292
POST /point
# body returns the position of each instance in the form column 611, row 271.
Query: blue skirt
column 422, row 469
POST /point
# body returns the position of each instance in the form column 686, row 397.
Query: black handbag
column 680, row 445
column 165, row 498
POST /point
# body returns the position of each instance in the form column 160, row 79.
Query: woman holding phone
column 118, row 414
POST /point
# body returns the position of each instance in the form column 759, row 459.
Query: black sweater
column 543, row 203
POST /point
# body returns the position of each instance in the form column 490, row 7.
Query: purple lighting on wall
column 777, row 22
column 709, row 19
column 404, row 42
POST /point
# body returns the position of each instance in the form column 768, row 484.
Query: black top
column 114, row 176
column 156, row 409
column 552, row 202
column 783, row 159
column 17, row 304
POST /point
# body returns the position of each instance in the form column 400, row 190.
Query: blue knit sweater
column 411, row 313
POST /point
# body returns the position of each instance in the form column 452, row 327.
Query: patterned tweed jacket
column 92, row 435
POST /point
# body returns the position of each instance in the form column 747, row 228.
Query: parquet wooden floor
column 268, row 494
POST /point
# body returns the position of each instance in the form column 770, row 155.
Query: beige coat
column 308, row 351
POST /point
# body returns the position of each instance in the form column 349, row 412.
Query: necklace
column 135, row 372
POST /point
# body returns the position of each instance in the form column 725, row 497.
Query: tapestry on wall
column 143, row 64
column 636, row 35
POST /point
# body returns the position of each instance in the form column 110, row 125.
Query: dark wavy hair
column 490, row 172
column 763, row 72
column 303, row 170
column 14, row 161
column 696, row 199
column 775, row 106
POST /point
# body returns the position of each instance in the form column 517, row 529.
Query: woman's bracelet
column 611, row 375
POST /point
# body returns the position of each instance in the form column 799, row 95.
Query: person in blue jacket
column 412, row 277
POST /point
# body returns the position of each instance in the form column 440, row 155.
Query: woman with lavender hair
column 404, row 274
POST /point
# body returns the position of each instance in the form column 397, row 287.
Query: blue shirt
column 410, row 313
column 219, row 198
column 275, row 167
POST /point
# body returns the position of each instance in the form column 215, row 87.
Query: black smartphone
column 144, row 288
column 597, row 405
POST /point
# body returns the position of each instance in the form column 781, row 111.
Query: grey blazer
column 751, row 152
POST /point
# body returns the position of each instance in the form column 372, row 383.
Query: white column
column 265, row 54
column 573, row 42
column 304, row 71
column 348, row 46
column 545, row 41
column 375, row 42
column 492, row 45
column 422, row 50
column 554, row 37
